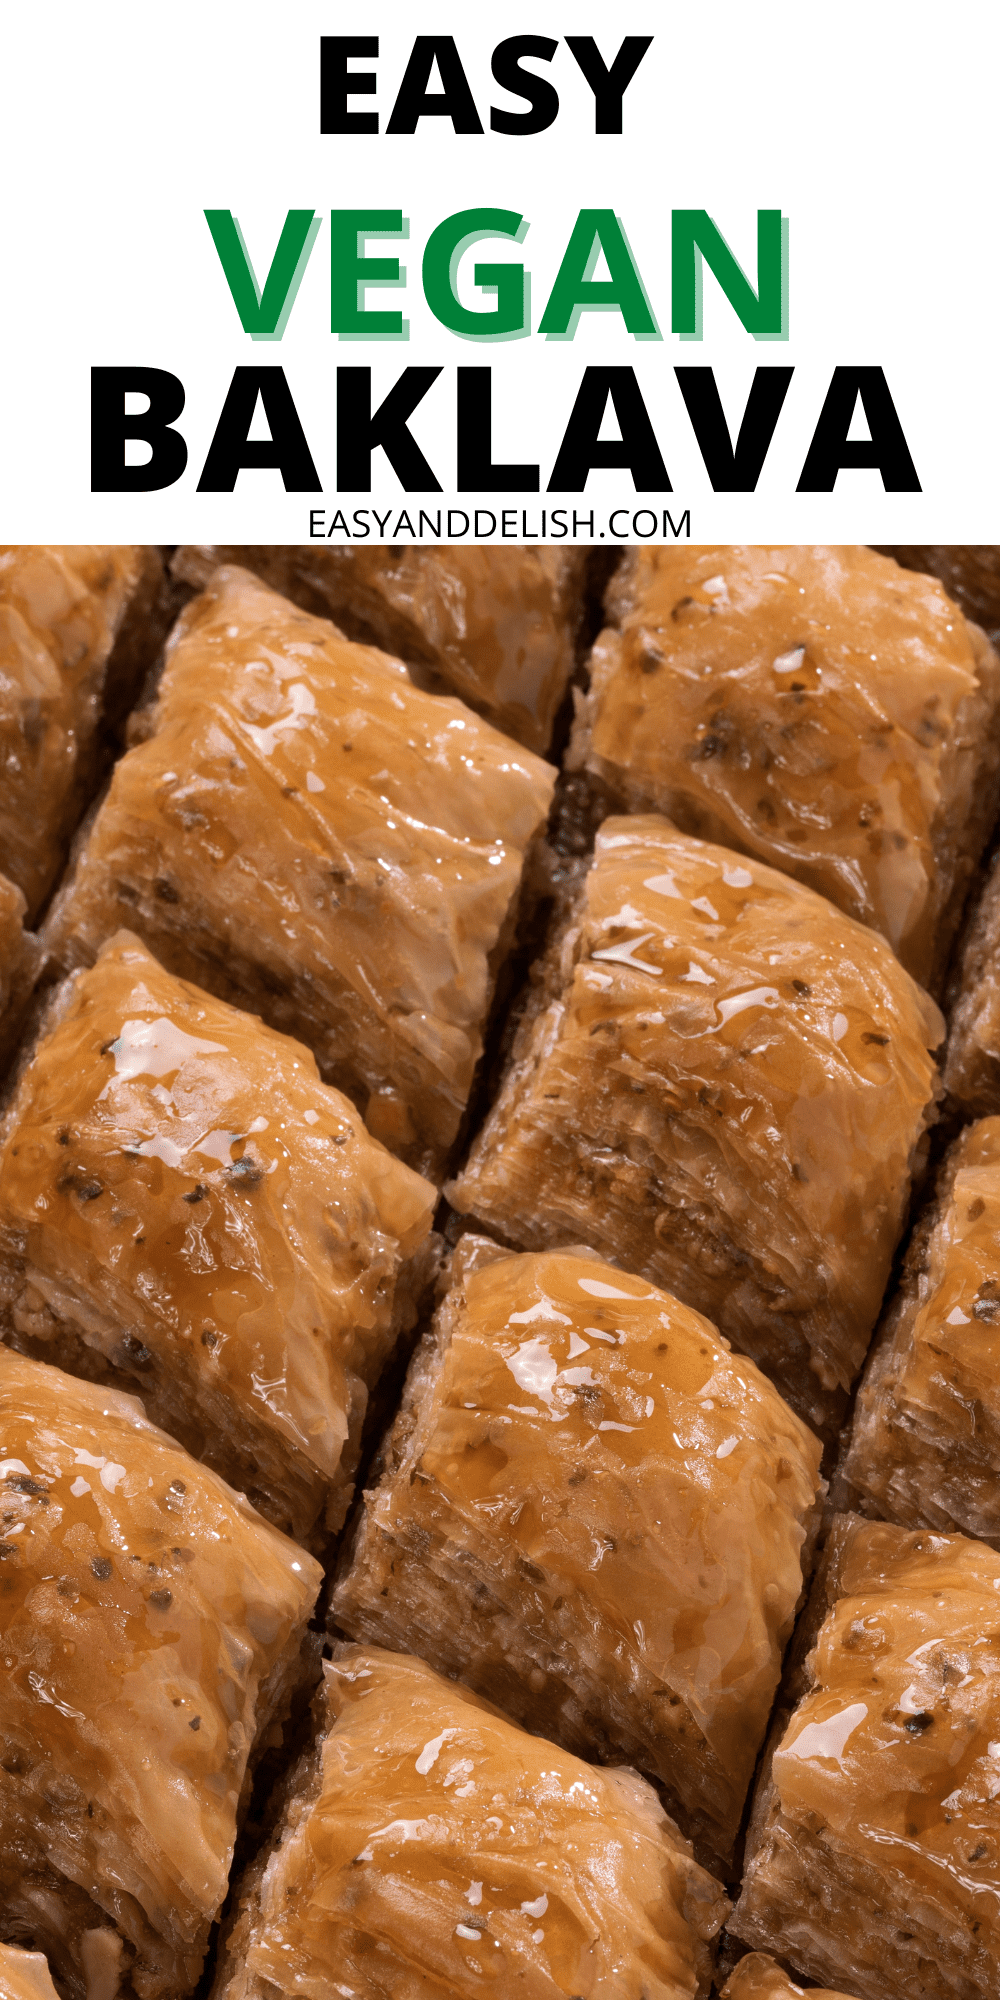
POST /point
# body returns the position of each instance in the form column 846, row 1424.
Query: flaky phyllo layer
column 872, row 1855
column 308, row 833
column 435, row 1836
column 818, row 707
column 151, row 1626
column 495, row 627
column 759, row 1977
column 722, row 1087
column 182, row 1198
column 24, row 1975
column 594, row 1513
column 925, row 1446
column 61, row 610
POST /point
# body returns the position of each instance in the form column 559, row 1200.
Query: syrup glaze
column 446, row 1850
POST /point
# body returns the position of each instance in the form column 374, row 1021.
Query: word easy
column 454, row 100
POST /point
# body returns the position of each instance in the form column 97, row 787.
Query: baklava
column 496, row 626
column 972, row 1061
column 817, row 707
column 153, row 1627
column 721, row 1084
column 306, row 833
column 20, row 964
column 24, row 1975
column 429, row 1847
column 925, row 1445
column 186, row 1210
column 873, row 1846
column 77, row 626
column 970, row 573
column 758, row 1977
column 593, row 1513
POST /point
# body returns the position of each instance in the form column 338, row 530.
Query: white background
column 871, row 126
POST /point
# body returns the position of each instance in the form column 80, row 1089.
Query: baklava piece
column 925, row 1446
column 757, row 1977
column 873, row 1848
column 594, row 1514
column 20, row 964
column 970, row 574
column 496, row 626
column 74, row 626
column 187, row 1210
column 818, row 707
column 972, row 1060
column 24, row 1975
column 308, row 834
column 430, row 1847
column 721, row 1085
column 152, row 1629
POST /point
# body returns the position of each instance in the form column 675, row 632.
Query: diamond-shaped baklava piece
column 818, row 707
column 721, row 1085
column 308, row 834
column 595, row 1514
column 874, row 1846
column 925, row 1446
column 62, row 612
column 152, row 1625
column 496, row 626
column 430, row 1847
column 185, row 1207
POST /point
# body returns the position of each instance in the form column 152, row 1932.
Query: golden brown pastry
column 151, row 1628
column 24, row 1975
column 594, row 1514
column 185, row 1207
column 757, row 1977
column 433, row 1849
column 496, row 626
column 818, row 707
column 925, row 1446
column 970, row 573
column 873, row 1848
column 20, row 963
column 61, row 612
column 972, row 1060
column 308, row 834
column 721, row 1087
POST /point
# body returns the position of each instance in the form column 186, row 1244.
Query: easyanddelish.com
column 504, row 524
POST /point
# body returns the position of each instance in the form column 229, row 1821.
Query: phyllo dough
column 721, row 1085
column 972, row 1061
column 62, row 610
column 187, row 1209
column 758, row 1977
column 152, row 1624
column 24, row 1975
column 970, row 573
column 433, row 1849
column 925, row 1446
column 873, row 1848
column 20, row 963
column 496, row 626
column 593, row 1513
column 308, row 834
column 818, row 707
